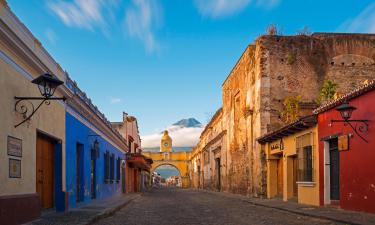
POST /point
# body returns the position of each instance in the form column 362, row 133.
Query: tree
column 291, row 108
column 328, row 90
column 272, row 29
column 304, row 31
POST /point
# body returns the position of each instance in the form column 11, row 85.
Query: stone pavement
column 329, row 213
column 87, row 214
column 190, row 207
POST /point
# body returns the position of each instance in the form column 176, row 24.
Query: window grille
column 112, row 163
column 306, row 156
column 106, row 167
column 118, row 169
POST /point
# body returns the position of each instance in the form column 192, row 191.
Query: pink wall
column 357, row 166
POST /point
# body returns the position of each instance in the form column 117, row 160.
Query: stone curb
column 298, row 212
column 303, row 213
column 109, row 212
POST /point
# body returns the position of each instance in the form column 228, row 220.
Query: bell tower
column 166, row 142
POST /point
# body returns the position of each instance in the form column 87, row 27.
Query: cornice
column 96, row 122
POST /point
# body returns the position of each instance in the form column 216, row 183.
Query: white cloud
column 141, row 20
column 222, row 8
column 181, row 137
column 218, row 8
column 364, row 22
column 51, row 36
column 115, row 100
column 86, row 14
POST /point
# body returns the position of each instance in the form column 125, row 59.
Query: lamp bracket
column 360, row 127
column 25, row 106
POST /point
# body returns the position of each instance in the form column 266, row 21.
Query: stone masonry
column 271, row 69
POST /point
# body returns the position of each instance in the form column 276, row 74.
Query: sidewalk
column 87, row 214
column 329, row 213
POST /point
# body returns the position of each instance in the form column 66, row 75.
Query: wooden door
column 45, row 171
column 280, row 177
column 295, row 171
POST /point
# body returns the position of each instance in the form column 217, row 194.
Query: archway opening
column 170, row 175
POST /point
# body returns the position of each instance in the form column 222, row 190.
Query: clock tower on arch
column 166, row 142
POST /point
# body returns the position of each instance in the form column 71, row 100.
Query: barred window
column 112, row 178
column 106, row 167
column 118, row 170
column 305, row 158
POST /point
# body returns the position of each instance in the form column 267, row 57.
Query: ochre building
column 166, row 156
column 292, row 159
column 269, row 71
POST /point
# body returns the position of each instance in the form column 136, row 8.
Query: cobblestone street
column 179, row 206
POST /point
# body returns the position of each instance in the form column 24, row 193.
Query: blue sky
column 163, row 60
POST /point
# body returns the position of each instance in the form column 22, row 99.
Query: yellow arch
column 176, row 159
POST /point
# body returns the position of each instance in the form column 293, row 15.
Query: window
column 106, row 167
column 112, row 168
column 305, row 158
column 118, row 169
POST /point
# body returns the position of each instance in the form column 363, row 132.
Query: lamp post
column 346, row 111
column 47, row 85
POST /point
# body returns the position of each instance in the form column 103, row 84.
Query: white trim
column 327, row 172
column 17, row 67
column 72, row 112
column 305, row 184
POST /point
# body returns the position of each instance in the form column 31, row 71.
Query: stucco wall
column 308, row 192
column 77, row 132
column 15, row 81
column 357, row 171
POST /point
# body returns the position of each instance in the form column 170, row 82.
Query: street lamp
column 47, row 85
column 346, row 111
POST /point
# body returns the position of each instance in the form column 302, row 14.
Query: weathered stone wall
column 269, row 71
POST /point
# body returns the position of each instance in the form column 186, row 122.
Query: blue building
column 95, row 152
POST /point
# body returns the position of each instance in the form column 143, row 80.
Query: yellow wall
column 176, row 159
column 308, row 193
column 49, row 119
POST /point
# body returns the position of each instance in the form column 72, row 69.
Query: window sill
column 305, row 184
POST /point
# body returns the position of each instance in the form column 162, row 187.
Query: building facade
column 208, row 158
column 345, row 159
column 36, row 148
column 268, row 72
column 292, row 157
column 95, row 151
column 67, row 153
column 137, row 166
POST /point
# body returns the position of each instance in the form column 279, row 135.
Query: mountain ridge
column 190, row 122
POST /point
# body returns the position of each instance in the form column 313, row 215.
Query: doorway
column 45, row 176
column 218, row 174
column 334, row 158
column 79, row 172
column 295, row 171
column 280, row 179
column 93, row 174
column 199, row 176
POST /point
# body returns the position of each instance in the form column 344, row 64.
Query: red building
column 347, row 150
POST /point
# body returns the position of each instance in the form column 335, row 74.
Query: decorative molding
column 88, row 124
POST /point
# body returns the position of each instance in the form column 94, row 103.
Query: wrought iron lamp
column 47, row 85
column 346, row 110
